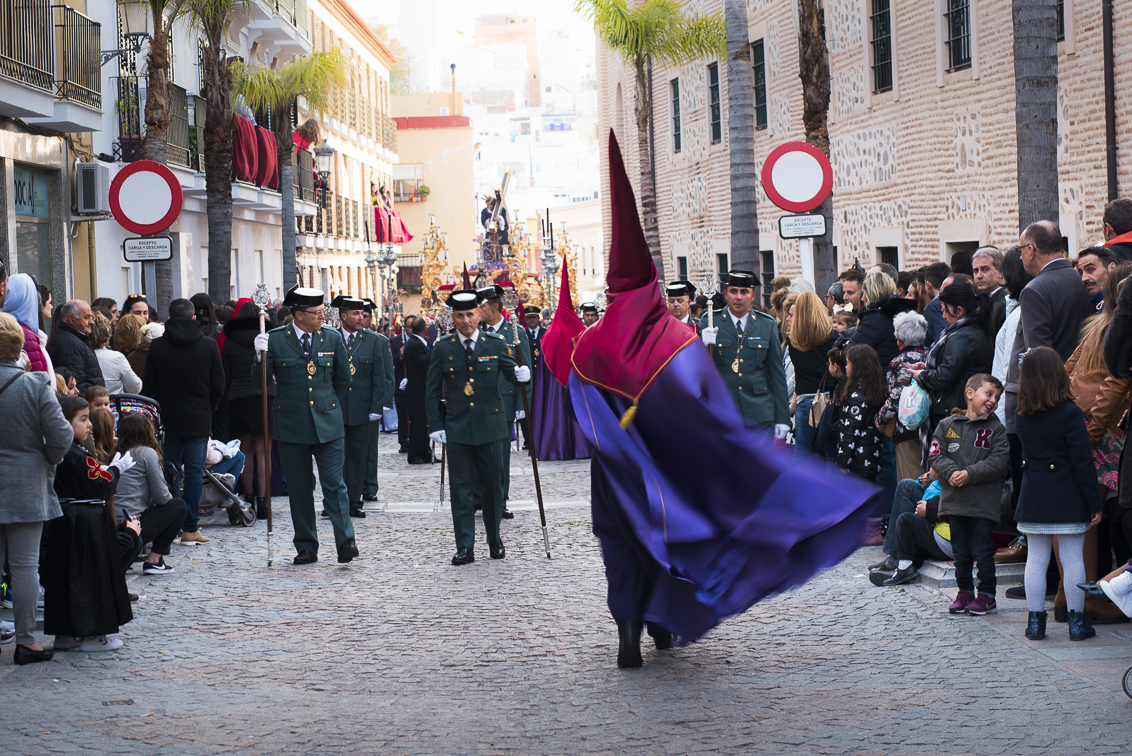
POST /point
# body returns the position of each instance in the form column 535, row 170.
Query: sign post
column 798, row 178
column 146, row 198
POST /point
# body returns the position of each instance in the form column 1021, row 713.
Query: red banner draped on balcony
column 266, row 173
column 245, row 150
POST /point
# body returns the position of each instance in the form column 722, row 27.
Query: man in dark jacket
column 184, row 373
column 397, row 348
column 934, row 276
column 416, row 371
column 70, row 346
column 1118, row 229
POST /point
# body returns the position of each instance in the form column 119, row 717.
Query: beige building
column 581, row 221
column 922, row 142
column 494, row 30
column 437, row 152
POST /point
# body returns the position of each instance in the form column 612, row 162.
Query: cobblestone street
column 401, row 653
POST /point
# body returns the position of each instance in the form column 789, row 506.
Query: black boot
column 664, row 640
column 1036, row 626
column 261, row 508
column 629, row 652
column 1079, row 627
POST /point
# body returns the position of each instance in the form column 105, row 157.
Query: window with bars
column 958, row 22
column 1060, row 20
column 758, row 60
column 767, row 274
column 888, row 256
column 881, row 19
column 715, row 116
column 721, row 266
column 674, row 86
column 682, row 268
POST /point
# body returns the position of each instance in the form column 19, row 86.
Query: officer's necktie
column 307, row 344
column 350, row 342
column 470, row 348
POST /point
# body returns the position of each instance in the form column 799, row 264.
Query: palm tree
column 211, row 17
column 163, row 14
column 813, row 70
column 652, row 31
column 741, row 138
column 315, row 76
column 1035, row 112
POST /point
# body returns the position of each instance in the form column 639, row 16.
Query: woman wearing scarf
column 22, row 304
column 965, row 347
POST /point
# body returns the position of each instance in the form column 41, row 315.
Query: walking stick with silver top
column 262, row 300
column 511, row 301
column 443, row 326
column 710, row 287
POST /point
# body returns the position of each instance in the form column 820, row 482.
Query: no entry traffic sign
column 797, row 177
column 145, row 197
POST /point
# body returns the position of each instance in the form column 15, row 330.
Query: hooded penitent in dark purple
column 698, row 517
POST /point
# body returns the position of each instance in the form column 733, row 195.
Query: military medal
column 735, row 365
column 353, row 370
column 310, row 367
column 468, row 390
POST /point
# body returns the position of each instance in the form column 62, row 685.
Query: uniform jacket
column 70, row 349
column 479, row 418
column 509, row 386
column 759, row 388
column 371, row 384
column 1103, row 398
column 535, row 341
column 306, row 406
column 978, row 446
column 876, row 328
column 183, row 373
column 35, row 439
column 691, row 323
column 416, row 366
column 967, row 351
column 858, row 440
column 1059, row 475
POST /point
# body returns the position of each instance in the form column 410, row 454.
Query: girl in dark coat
column 85, row 596
column 1059, row 495
column 862, row 395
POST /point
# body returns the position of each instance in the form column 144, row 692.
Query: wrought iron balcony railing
column 128, row 107
column 177, row 137
column 27, row 43
column 78, row 40
column 304, row 175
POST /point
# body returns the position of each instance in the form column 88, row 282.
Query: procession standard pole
column 262, row 299
column 527, row 421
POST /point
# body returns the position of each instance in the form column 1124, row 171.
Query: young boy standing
column 971, row 455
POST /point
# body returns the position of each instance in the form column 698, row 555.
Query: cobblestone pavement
column 400, row 653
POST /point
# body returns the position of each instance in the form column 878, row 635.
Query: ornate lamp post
column 324, row 156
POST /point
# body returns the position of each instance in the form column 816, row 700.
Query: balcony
column 27, row 59
column 78, row 82
column 177, row 137
column 128, row 108
column 280, row 26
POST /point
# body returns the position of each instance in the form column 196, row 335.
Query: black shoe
column 629, row 649
column 347, row 551
column 134, row 598
column 497, row 552
column 306, row 557
column 877, row 577
column 1036, row 625
column 261, row 507
column 1079, row 627
column 508, row 514
column 424, row 461
column 357, row 511
column 900, row 577
column 324, row 513
column 887, row 564
column 664, row 640
column 25, row 655
column 1017, row 592
column 403, row 450
column 464, row 556
column 369, row 497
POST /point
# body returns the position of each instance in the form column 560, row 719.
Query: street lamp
column 324, row 156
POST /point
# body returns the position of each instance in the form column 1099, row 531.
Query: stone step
column 942, row 574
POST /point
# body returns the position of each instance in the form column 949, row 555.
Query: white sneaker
column 1122, row 583
column 1123, row 601
column 66, row 643
column 100, row 643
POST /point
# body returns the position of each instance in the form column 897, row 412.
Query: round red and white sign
column 797, row 177
column 146, row 197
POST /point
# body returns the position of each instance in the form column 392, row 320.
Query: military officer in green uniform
column 492, row 321
column 370, row 391
column 748, row 356
column 467, row 370
column 369, row 489
column 311, row 368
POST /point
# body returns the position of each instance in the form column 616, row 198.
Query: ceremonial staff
column 443, row 326
column 512, row 300
column 262, row 300
column 710, row 287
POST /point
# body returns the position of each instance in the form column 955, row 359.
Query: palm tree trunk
column 813, row 65
column 741, row 139
column 1035, row 113
column 218, row 174
column 285, row 144
column 155, row 146
column 648, row 187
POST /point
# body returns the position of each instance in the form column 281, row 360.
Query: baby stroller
column 239, row 512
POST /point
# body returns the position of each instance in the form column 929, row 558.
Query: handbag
column 818, row 404
column 914, row 405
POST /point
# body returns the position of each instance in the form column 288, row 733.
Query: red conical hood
column 625, row 350
column 467, row 281
column 558, row 341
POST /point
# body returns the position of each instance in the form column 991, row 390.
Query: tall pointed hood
column 558, row 341
column 625, row 350
column 467, row 281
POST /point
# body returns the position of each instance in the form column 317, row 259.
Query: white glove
column 404, row 383
column 122, row 461
column 522, row 374
column 373, row 417
column 439, row 437
column 708, row 335
column 386, row 409
column 780, row 431
column 519, row 414
column 261, row 343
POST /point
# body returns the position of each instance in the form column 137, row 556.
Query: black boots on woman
column 1036, row 625
column 1079, row 627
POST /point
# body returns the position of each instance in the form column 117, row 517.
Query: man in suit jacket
column 535, row 332
column 416, row 371
column 987, row 266
column 1054, row 305
column 397, row 348
column 370, row 391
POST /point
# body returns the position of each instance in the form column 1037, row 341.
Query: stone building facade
column 923, row 150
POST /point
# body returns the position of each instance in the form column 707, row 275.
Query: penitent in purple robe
column 557, row 434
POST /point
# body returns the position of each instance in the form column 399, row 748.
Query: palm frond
column 314, row 76
column 656, row 28
column 212, row 17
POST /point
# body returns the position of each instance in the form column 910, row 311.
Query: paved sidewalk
column 401, row 653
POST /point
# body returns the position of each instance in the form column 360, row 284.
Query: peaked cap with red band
column 626, row 350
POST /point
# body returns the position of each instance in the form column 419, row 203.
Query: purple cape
column 555, row 428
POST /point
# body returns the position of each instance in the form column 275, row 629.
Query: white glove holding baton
column 708, row 335
column 522, row 374
column 374, row 417
column 440, row 437
column 261, row 343
column 404, row 383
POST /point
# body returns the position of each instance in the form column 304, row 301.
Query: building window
column 1060, row 20
column 758, row 60
column 674, row 85
column 958, row 18
column 721, row 266
column 682, row 267
column 882, row 46
column 408, row 178
column 888, row 256
column 767, row 275
column 714, row 115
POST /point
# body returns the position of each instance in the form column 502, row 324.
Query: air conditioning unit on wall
column 92, row 189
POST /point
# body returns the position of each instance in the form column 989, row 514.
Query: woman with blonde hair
column 809, row 340
column 127, row 340
column 120, row 377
